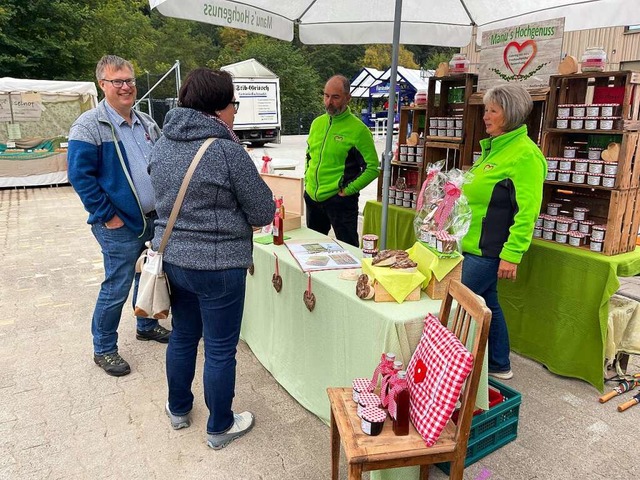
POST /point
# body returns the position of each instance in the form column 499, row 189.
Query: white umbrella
column 421, row 22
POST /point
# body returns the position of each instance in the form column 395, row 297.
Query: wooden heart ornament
column 568, row 65
column 251, row 269
column 517, row 56
column 308, row 297
column 442, row 70
column 277, row 282
column 611, row 153
column 276, row 279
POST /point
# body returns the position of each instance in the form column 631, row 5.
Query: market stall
column 341, row 339
column 36, row 116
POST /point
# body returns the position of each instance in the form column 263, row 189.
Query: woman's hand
column 507, row 270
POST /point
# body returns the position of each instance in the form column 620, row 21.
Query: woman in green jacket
column 504, row 195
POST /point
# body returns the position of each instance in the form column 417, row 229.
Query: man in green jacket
column 341, row 161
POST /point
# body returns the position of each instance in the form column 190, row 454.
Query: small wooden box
column 292, row 190
column 381, row 294
column 437, row 289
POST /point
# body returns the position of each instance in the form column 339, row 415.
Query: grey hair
column 113, row 61
column 346, row 84
column 514, row 100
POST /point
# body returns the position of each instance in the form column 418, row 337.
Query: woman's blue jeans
column 209, row 304
column 480, row 274
column 121, row 248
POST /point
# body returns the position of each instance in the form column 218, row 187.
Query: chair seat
column 387, row 448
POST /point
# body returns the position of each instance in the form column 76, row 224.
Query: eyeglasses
column 236, row 106
column 118, row 83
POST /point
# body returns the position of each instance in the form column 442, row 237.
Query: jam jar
column 594, row 59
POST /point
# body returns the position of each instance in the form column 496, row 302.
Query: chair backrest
column 470, row 310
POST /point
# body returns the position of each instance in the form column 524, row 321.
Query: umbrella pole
column 386, row 170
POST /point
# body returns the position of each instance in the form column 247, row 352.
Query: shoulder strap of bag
column 182, row 192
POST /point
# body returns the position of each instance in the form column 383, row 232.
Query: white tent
column 35, row 116
column 369, row 77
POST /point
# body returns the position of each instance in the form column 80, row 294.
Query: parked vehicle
column 258, row 120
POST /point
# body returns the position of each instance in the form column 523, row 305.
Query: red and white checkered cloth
column 436, row 373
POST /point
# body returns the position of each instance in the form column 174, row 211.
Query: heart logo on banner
column 518, row 55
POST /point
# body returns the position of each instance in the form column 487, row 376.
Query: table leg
column 355, row 471
column 335, row 448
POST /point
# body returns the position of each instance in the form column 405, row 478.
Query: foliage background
column 63, row 39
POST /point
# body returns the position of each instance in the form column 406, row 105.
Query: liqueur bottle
column 401, row 420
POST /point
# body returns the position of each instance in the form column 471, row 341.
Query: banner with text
column 525, row 54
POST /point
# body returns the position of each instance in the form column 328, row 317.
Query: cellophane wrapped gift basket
column 442, row 219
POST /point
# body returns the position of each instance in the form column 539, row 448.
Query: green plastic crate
column 493, row 428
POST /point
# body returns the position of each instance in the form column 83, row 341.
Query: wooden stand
column 382, row 295
column 437, row 290
column 292, row 191
column 618, row 207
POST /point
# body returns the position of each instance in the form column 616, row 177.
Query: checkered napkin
column 436, row 372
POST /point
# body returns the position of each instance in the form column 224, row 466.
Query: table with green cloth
column 557, row 309
column 400, row 234
column 341, row 339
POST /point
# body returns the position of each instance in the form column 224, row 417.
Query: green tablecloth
column 557, row 310
column 340, row 340
column 400, row 233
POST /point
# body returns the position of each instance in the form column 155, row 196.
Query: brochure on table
column 314, row 255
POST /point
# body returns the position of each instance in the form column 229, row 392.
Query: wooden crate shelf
column 618, row 207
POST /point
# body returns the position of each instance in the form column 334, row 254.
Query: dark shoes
column 113, row 364
column 159, row 334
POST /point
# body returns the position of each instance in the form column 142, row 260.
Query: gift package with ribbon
column 444, row 216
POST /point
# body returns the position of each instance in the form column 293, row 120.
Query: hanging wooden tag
column 308, row 297
column 251, row 269
column 277, row 279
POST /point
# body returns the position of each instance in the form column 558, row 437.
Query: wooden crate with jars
column 592, row 144
column 447, row 118
column 407, row 165
column 475, row 129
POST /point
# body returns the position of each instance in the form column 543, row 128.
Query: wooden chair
column 365, row 453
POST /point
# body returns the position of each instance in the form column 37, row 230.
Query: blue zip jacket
column 100, row 176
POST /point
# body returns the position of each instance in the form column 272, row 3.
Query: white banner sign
column 25, row 111
column 258, row 103
column 526, row 54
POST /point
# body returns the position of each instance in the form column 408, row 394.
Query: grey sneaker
column 242, row 423
column 178, row 421
column 113, row 364
column 502, row 375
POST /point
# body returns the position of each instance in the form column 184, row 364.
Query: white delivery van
column 258, row 120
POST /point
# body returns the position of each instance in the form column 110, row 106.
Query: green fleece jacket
column 341, row 155
column 505, row 196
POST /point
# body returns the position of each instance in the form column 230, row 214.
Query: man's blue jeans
column 480, row 274
column 210, row 304
column 120, row 249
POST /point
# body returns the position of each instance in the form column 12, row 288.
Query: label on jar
column 595, row 167
column 581, row 166
column 564, row 176
column 551, row 175
column 579, row 110
column 595, row 246
column 606, row 123
column 594, row 153
column 562, row 123
column 608, row 181
column 578, row 177
column 369, row 242
column 593, row 110
column 561, row 237
column 610, row 168
column 366, row 426
column 576, row 123
column 565, row 164
column 552, row 163
column 537, row 232
column 593, row 180
column 563, row 112
column 591, row 124
column 547, row 234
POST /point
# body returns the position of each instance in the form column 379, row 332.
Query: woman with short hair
column 210, row 247
column 504, row 195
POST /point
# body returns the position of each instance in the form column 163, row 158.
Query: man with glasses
column 108, row 155
column 341, row 161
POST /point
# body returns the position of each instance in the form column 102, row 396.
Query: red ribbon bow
column 451, row 193
column 265, row 164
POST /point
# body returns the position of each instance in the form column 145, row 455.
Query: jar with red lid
column 594, row 59
column 459, row 63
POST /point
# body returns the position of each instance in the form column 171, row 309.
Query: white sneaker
column 177, row 421
column 502, row 375
column 242, row 423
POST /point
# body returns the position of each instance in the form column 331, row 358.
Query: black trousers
column 338, row 212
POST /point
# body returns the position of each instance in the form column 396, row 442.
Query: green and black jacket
column 341, row 155
column 505, row 196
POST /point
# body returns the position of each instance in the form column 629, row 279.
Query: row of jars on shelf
column 576, row 230
column 411, row 153
column 403, row 197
